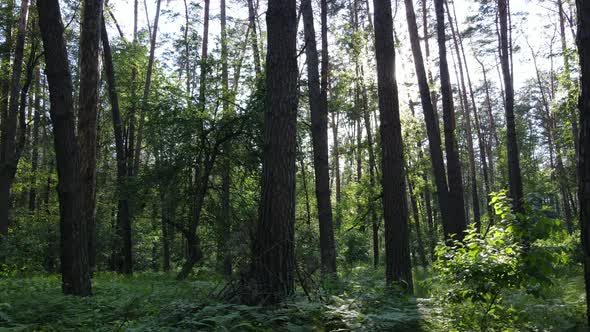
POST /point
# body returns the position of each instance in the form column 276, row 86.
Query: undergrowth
column 157, row 302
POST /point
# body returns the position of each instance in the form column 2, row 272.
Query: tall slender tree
column 395, row 208
column 430, row 117
column 319, row 133
column 456, row 200
column 11, row 146
column 514, row 174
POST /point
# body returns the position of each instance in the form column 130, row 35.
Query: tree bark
column 583, row 41
column 395, row 208
column 252, row 18
column 225, row 216
column 11, row 147
column 273, row 255
column 456, row 212
column 514, row 175
column 470, row 150
column 318, row 105
column 430, row 117
column 35, row 141
column 74, row 246
column 146, row 91
column 125, row 265
column 87, row 116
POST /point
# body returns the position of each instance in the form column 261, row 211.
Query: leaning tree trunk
column 74, row 247
column 318, row 105
column 395, row 209
column 273, row 254
column 584, row 143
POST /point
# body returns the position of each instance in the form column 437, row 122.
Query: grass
column 157, row 302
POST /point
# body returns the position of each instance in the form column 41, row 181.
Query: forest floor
column 157, row 302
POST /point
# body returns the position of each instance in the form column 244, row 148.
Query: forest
column 295, row 165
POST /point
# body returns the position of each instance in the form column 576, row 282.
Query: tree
column 273, row 255
column 514, row 175
column 583, row 40
column 318, row 105
column 73, row 246
column 11, row 145
column 430, row 117
column 87, row 115
column 456, row 201
column 395, row 207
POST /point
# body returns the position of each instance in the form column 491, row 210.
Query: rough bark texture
column 514, row 175
column 319, row 133
column 456, row 202
column 395, row 209
column 87, row 116
column 583, row 40
column 273, row 256
column 74, row 247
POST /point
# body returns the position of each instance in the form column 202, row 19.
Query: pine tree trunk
column 395, row 208
column 318, row 105
column 252, row 18
column 456, row 211
column 273, row 255
column 430, row 117
column 514, row 175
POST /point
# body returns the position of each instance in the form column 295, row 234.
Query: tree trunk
column 430, row 117
column 273, row 255
column 336, row 153
column 514, row 175
column 318, row 105
column 225, row 221
column 470, row 150
column 456, row 211
column 252, row 18
column 5, row 61
column 87, row 116
column 125, row 264
column 74, row 246
column 395, row 208
column 416, row 217
column 11, row 147
column 35, row 141
column 146, row 91
column 583, row 41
